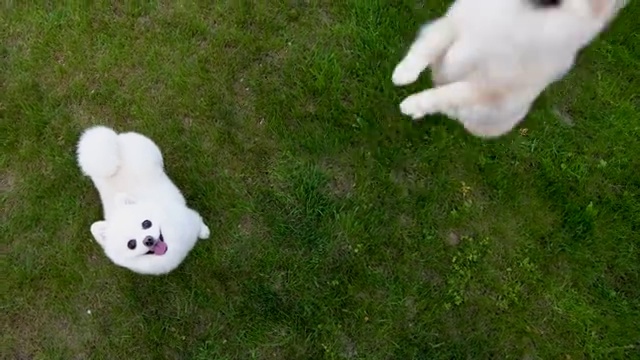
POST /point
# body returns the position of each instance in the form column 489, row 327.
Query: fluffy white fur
column 490, row 59
column 128, row 171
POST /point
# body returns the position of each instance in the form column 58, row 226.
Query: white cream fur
column 128, row 171
column 490, row 59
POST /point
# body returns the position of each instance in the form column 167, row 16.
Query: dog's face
column 598, row 9
column 135, row 231
column 149, row 237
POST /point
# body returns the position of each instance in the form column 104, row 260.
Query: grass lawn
column 340, row 229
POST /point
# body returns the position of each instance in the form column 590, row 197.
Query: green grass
column 340, row 230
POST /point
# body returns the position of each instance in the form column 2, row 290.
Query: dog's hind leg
column 444, row 99
column 484, row 112
column 432, row 41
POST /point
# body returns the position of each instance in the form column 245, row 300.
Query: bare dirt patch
column 453, row 238
column 342, row 180
column 33, row 332
column 563, row 113
column 8, row 196
column 251, row 225
column 7, row 182
column 87, row 115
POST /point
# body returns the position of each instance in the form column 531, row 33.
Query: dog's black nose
column 148, row 241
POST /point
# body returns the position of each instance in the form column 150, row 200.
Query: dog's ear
column 99, row 231
column 124, row 199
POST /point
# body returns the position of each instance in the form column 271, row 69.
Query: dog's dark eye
column 131, row 244
column 146, row 224
column 547, row 3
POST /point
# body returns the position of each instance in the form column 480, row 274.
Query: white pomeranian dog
column 490, row 59
column 147, row 225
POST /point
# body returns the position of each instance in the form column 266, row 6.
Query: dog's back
column 514, row 43
column 128, row 163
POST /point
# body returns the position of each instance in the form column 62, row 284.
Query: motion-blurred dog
column 491, row 59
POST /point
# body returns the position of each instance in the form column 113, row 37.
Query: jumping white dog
column 491, row 59
column 147, row 225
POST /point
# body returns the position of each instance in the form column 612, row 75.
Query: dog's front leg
column 204, row 231
column 197, row 221
column 432, row 41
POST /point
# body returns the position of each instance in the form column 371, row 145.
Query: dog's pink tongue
column 160, row 248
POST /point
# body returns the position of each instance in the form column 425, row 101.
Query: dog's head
column 134, row 231
column 148, row 237
column 603, row 10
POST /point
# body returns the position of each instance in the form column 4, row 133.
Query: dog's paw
column 405, row 73
column 204, row 232
column 417, row 106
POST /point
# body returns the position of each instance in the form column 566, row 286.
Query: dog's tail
column 98, row 152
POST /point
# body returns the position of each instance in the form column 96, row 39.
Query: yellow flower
column 465, row 189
